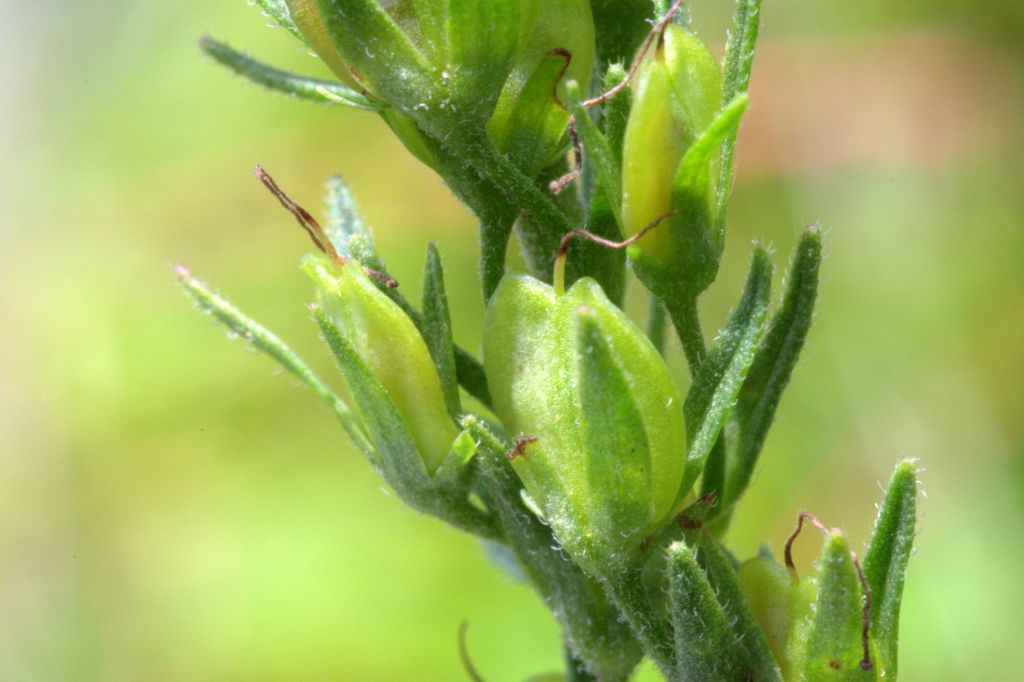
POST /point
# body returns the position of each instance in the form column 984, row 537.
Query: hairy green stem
column 685, row 318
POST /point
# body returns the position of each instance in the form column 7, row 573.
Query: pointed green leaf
column 615, row 111
column 721, row 375
column 592, row 625
column 344, row 219
column 749, row 636
column 705, row 646
column 739, row 49
column 601, row 159
column 834, row 648
column 885, row 563
column 437, row 329
column 739, row 60
column 267, row 342
column 302, row 87
column 694, row 234
column 278, row 11
column 602, row 156
column 773, row 365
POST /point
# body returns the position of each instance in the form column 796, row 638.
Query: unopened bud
column 604, row 459
column 391, row 347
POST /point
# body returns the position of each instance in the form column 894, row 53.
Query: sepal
column 830, row 642
column 437, row 329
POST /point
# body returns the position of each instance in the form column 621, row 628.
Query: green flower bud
column 677, row 95
column 435, row 66
column 528, row 123
column 603, row 438
column 389, row 344
column 817, row 626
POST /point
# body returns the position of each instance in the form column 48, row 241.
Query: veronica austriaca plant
column 600, row 133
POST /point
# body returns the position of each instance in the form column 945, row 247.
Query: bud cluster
column 571, row 448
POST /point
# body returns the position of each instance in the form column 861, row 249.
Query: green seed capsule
column 603, row 434
column 391, row 347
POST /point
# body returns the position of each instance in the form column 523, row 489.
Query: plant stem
column 575, row 671
column 686, row 320
column 655, row 634
column 656, row 322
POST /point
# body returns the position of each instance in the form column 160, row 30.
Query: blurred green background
column 172, row 507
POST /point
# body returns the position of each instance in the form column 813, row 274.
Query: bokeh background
column 172, row 507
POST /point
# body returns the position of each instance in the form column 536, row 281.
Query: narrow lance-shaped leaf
column 437, row 329
column 885, row 563
column 835, row 646
column 603, row 157
column 267, row 342
column 601, row 160
column 344, row 219
column 302, row 87
column 773, row 365
column 705, row 647
column 592, row 625
column 397, row 455
column 694, row 232
column 739, row 60
column 721, row 375
column 748, row 633
column 615, row 111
